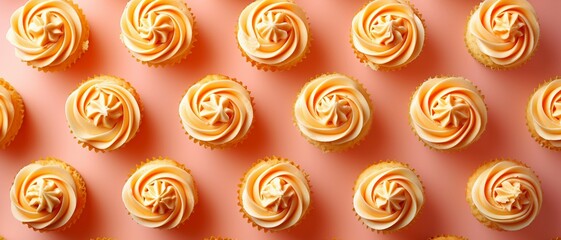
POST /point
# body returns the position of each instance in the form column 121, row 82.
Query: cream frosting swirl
column 333, row 109
column 48, row 33
column 507, row 31
column 104, row 112
column 7, row 114
column 273, row 33
column 507, row 194
column 275, row 194
column 44, row 196
column 387, row 34
column 160, row 194
column 448, row 113
column 217, row 111
column 387, row 197
column 157, row 31
column 544, row 112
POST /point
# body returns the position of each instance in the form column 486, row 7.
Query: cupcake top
column 273, row 33
column 387, row 34
column 388, row 196
column 506, row 31
column 11, row 108
column 448, row 237
column 333, row 111
column 217, row 111
column 47, row 34
column 46, row 194
column 274, row 194
column 506, row 193
column 544, row 114
column 448, row 113
column 104, row 112
column 160, row 194
column 157, row 31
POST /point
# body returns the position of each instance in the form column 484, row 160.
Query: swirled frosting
column 448, row 113
column 273, row 33
column 7, row 114
column 275, row 194
column 44, row 196
column 333, row 109
column 104, row 112
column 217, row 111
column 544, row 113
column 388, row 196
column 507, row 31
column 506, row 193
column 387, row 34
column 160, row 194
column 48, row 34
column 157, row 31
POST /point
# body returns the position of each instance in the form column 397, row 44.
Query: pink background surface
column 217, row 173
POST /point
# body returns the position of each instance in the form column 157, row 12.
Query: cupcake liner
column 80, row 188
column 447, row 237
column 73, row 58
column 19, row 109
column 383, row 164
column 132, row 90
column 205, row 144
column 265, row 160
column 167, row 161
column 328, row 147
column 364, row 59
column 271, row 68
column 455, row 149
column 477, row 54
column 177, row 60
column 474, row 211
column 541, row 141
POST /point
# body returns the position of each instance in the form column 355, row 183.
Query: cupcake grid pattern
column 454, row 118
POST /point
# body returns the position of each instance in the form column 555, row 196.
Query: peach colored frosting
column 332, row 108
column 388, row 198
column 216, row 110
column 388, row 33
column 507, row 194
column 103, row 112
column 448, row 113
column 47, row 32
column 505, row 30
column 7, row 114
column 544, row 112
column 273, row 32
column 275, row 194
column 157, row 31
column 160, row 194
column 44, row 197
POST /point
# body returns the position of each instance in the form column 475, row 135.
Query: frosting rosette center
column 390, row 196
column 274, row 26
column 508, row 26
column 44, row 195
column 277, row 195
column 388, row 30
column 46, row 28
column 451, row 110
column 105, row 109
column 216, row 109
column 156, row 28
column 334, row 110
column 509, row 196
column 160, row 196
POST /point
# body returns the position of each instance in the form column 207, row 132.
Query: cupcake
column 217, row 112
column 49, row 35
column 502, row 34
column 274, row 194
column 48, row 195
column 388, row 196
column 333, row 112
column 104, row 113
column 504, row 195
column 387, row 34
column 543, row 114
column 273, row 34
column 448, row 237
column 161, row 194
column 11, row 113
column 158, row 32
column 448, row 113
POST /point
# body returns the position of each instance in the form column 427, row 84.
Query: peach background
column 45, row 133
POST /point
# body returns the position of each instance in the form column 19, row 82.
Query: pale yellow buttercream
column 387, row 34
column 544, row 113
column 7, row 114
